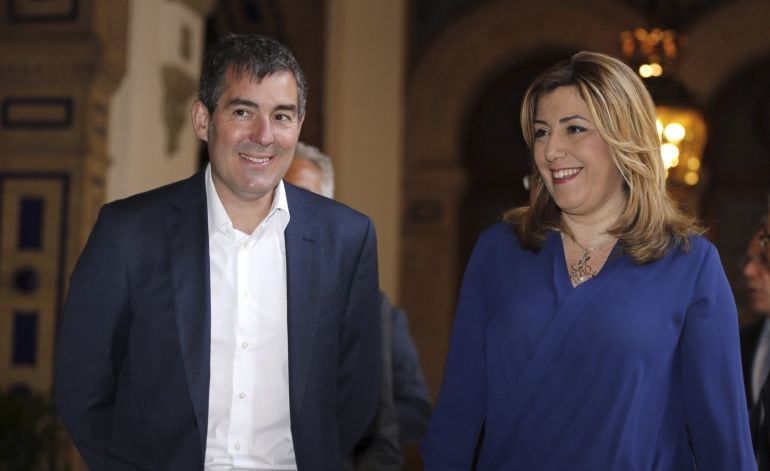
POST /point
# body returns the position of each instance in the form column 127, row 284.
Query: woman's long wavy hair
column 651, row 224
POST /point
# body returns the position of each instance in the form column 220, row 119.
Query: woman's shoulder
column 698, row 247
column 498, row 229
column 498, row 234
column 697, row 254
column 498, row 242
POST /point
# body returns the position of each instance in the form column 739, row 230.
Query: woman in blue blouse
column 595, row 329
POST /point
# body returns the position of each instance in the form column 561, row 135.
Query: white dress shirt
column 761, row 366
column 249, row 426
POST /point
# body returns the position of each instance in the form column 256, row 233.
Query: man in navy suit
column 227, row 321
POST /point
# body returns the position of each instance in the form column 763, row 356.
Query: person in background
column 227, row 321
column 595, row 328
column 755, row 341
column 413, row 402
column 313, row 170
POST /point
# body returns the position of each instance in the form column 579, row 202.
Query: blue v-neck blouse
column 637, row 368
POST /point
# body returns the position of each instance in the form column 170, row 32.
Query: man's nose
column 750, row 266
column 262, row 131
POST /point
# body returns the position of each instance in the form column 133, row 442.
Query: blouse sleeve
column 459, row 414
column 715, row 403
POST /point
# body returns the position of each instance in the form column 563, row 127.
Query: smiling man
column 227, row 321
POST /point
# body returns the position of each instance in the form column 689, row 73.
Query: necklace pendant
column 581, row 271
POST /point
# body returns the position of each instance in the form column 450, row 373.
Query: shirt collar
column 217, row 215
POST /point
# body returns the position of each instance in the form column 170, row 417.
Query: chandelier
column 655, row 54
column 652, row 53
column 682, row 132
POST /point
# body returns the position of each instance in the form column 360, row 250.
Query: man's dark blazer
column 132, row 370
column 749, row 339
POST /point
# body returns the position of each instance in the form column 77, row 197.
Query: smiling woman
column 595, row 328
column 616, row 109
column 573, row 159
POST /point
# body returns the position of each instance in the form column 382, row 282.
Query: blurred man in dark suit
column 403, row 385
column 755, row 341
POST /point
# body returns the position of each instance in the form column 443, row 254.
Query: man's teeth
column 567, row 172
column 254, row 159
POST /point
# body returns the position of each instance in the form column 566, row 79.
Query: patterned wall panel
column 25, row 11
column 32, row 254
column 53, row 112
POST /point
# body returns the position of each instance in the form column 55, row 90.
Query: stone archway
column 726, row 68
column 737, row 157
column 730, row 38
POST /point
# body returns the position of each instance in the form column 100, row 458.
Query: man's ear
column 200, row 120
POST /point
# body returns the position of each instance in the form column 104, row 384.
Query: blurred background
column 415, row 101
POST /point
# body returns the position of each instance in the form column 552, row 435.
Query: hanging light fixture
column 652, row 53
column 682, row 133
column 655, row 54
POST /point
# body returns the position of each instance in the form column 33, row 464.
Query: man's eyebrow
column 286, row 107
column 242, row 102
column 252, row 104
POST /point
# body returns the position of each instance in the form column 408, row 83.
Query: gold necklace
column 581, row 271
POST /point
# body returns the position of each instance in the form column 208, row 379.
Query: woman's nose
column 554, row 148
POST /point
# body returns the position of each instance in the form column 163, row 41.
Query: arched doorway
column 738, row 159
column 494, row 156
column 468, row 57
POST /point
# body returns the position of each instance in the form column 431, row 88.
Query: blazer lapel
column 302, row 278
column 750, row 335
column 187, row 228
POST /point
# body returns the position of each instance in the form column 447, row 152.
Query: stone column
column 363, row 116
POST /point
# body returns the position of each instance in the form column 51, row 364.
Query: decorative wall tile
column 25, row 11
column 30, row 223
column 38, row 112
column 24, row 338
column 33, row 215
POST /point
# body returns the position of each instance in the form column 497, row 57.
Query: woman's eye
column 576, row 129
column 540, row 133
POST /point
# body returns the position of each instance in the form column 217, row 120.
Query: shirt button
column 237, row 446
column 242, row 395
column 244, row 345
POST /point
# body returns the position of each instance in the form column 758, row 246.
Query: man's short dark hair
column 251, row 54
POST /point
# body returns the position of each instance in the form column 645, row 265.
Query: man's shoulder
column 161, row 197
column 148, row 210
column 321, row 209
